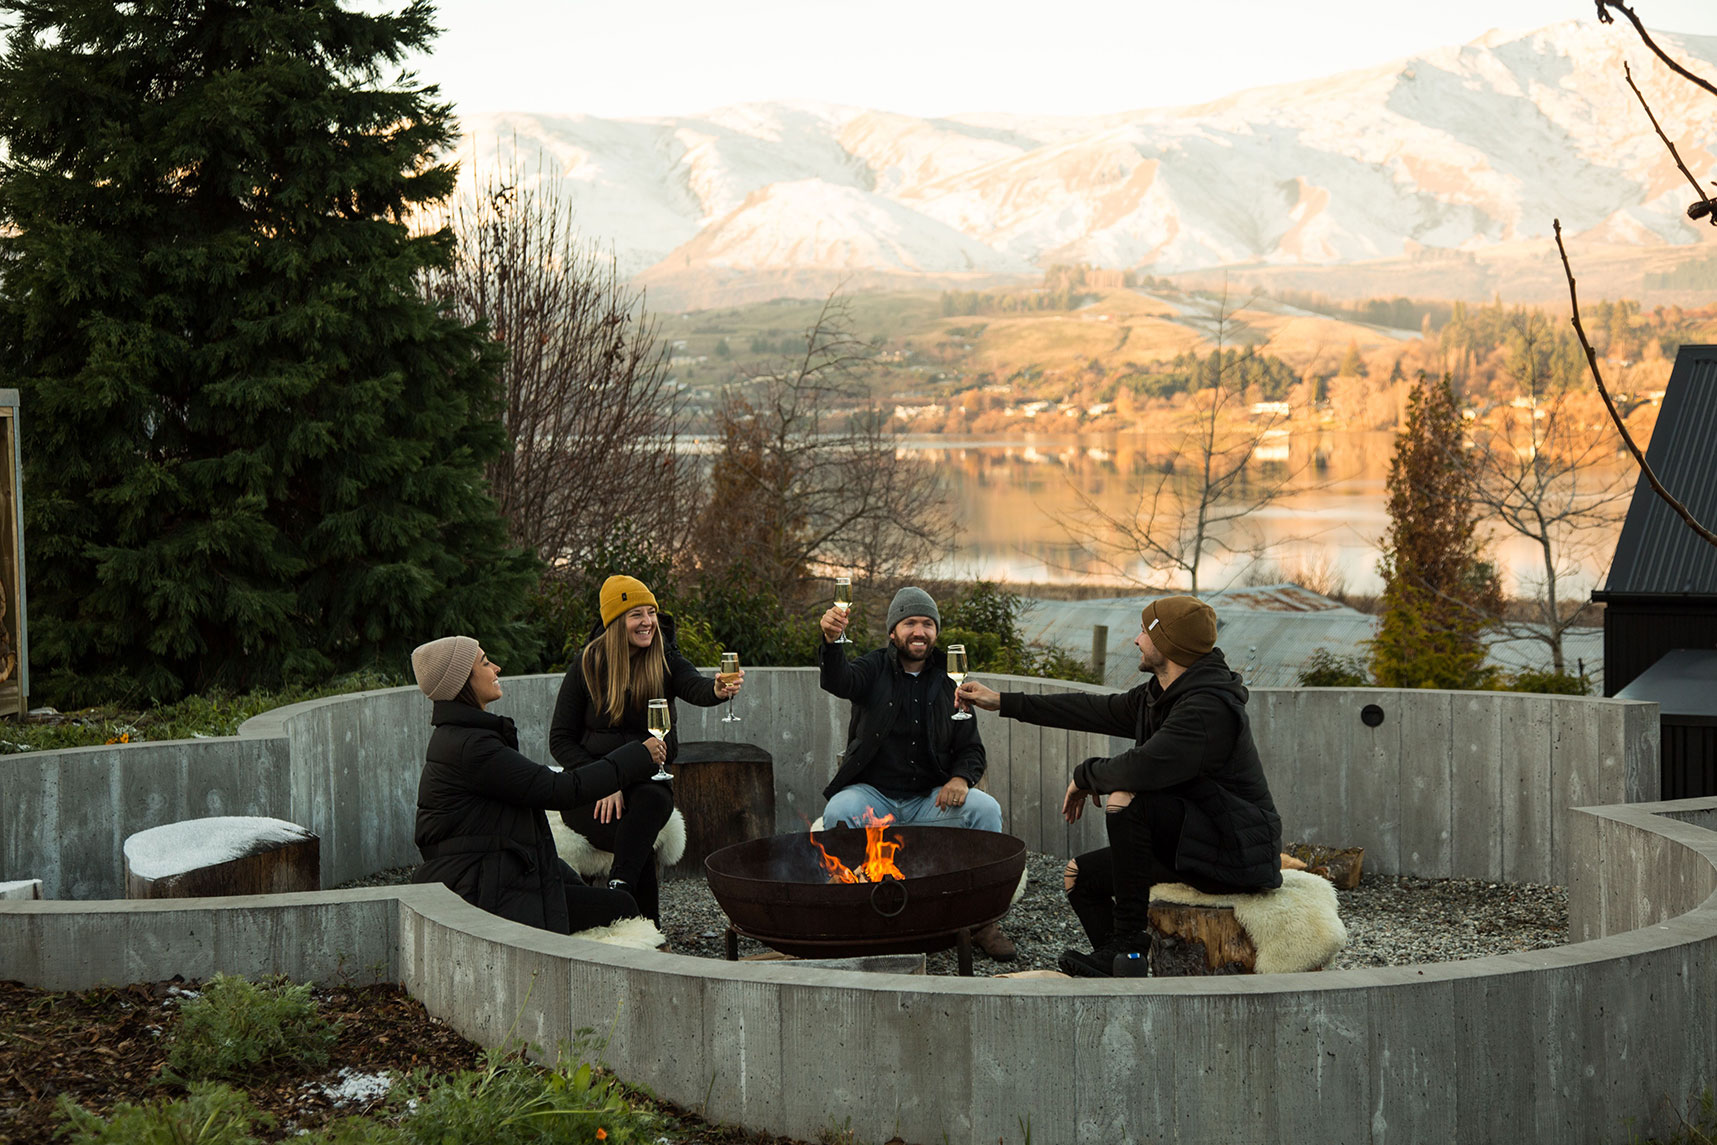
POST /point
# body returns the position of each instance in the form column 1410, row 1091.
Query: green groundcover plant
column 236, row 1029
column 507, row 1101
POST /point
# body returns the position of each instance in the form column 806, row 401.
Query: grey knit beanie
column 912, row 601
column 442, row 666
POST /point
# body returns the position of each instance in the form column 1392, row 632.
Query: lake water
column 1022, row 517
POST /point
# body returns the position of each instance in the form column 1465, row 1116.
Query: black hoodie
column 1191, row 740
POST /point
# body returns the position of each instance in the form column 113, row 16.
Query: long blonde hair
column 616, row 674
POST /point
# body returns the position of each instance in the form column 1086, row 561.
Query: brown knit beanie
column 621, row 594
column 1182, row 627
column 442, row 666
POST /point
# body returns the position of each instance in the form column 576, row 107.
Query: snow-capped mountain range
column 1460, row 148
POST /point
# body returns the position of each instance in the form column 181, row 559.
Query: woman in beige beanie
column 631, row 659
column 481, row 822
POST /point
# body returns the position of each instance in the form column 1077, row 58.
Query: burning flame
column 878, row 855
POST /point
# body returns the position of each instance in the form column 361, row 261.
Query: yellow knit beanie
column 621, row 594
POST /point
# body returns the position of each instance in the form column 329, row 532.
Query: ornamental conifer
column 252, row 452
column 1438, row 592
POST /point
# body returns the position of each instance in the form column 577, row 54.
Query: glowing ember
column 878, row 855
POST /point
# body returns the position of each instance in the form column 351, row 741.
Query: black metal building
column 1661, row 594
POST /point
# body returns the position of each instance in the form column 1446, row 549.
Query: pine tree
column 1437, row 590
column 253, row 453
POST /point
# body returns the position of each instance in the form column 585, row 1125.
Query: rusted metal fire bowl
column 776, row 891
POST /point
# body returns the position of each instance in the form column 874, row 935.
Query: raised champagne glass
column 843, row 601
column 957, row 673
column 659, row 726
column 729, row 669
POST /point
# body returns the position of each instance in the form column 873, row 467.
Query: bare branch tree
column 1704, row 207
column 1190, row 508
column 589, row 408
column 808, row 479
column 1651, row 477
column 1537, row 473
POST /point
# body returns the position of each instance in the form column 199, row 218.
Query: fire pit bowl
column 776, row 890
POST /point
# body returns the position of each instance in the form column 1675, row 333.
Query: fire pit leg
column 732, row 945
column 963, row 950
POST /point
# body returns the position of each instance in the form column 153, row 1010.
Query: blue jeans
column 980, row 812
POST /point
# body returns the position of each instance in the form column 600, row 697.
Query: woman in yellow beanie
column 630, row 660
column 481, row 822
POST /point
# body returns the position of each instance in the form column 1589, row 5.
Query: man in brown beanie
column 1186, row 803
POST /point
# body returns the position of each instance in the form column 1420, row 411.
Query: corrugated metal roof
column 1657, row 554
column 1267, row 634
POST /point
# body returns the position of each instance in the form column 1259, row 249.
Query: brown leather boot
column 994, row 943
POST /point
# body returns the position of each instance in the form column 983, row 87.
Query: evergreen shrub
column 235, row 1029
column 1325, row 669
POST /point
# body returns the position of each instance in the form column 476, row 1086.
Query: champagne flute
column 729, row 668
column 843, row 601
column 957, row 673
column 659, row 726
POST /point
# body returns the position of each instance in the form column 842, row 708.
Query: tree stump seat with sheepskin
column 593, row 864
column 1293, row 928
column 222, row 855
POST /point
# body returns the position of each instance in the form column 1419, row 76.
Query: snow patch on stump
column 175, row 848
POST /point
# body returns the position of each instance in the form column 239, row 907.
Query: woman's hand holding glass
column 728, row 682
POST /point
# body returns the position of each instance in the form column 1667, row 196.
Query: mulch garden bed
column 101, row 1047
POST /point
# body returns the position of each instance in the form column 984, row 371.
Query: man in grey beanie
column 907, row 756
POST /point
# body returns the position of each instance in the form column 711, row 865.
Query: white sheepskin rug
column 582, row 856
column 1295, row 927
column 634, row 933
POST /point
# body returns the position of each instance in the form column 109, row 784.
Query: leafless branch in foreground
column 1704, row 207
column 1681, row 510
column 1604, row 17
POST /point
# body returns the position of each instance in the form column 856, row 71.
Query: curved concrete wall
column 1580, row 1044
column 1450, row 784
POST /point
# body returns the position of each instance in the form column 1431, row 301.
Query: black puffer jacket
column 875, row 683
column 480, row 821
column 581, row 730
column 1191, row 740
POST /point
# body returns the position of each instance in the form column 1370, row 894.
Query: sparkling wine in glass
column 659, row 726
column 957, row 673
column 729, row 669
column 843, row 601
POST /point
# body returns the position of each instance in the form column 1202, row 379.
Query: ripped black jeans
column 1110, row 888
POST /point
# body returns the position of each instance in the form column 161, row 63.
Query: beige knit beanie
column 1182, row 627
column 442, row 666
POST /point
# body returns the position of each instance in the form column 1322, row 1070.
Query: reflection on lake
column 1021, row 516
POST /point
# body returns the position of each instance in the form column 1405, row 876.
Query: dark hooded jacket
column 581, row 730
column 480, row 814
column 1192, row 740
column 876, row 683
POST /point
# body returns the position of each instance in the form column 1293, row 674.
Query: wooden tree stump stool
column 223, row 855
column 1340, row 865
column 1201, row 940
column 726, row 791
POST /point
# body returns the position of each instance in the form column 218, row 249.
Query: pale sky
column 625, row 58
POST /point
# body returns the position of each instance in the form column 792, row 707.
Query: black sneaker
column 1122, row 956
column 620, row 885
column 1100, row 963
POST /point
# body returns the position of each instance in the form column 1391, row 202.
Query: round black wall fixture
column 1371, row 715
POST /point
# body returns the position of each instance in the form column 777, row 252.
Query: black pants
column 594, row 906
column 1111, row 893
column 631, row 839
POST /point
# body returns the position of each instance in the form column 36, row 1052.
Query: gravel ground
column 1391, row 920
